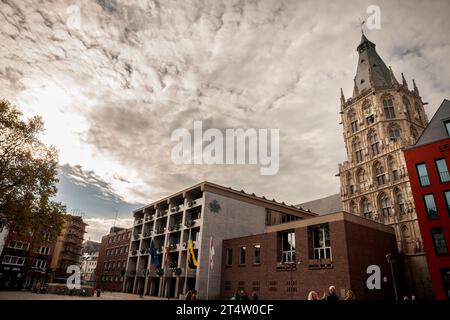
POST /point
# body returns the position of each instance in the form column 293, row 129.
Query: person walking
column 236, row 296
column 255, row 296
column 189, row 295
column 194, row 295
column 244, row 296
column 312, row 295
column 349, row 295
column 331, row 296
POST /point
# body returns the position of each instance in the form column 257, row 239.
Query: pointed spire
column 404, row 83
column 393, row 79
column 342, row 97
column 416, row 90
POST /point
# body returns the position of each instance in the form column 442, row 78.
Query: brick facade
column 112, row 259
column 356, row 243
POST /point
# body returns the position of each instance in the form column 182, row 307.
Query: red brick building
column 112, row 259
column 293, row 258
column 25, row 260
column 428, row 162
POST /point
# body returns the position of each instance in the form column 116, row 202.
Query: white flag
column 211, row 252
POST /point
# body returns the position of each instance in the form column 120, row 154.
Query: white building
column 88, row 266
column 198, row 213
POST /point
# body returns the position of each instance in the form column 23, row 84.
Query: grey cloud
column 152, row 67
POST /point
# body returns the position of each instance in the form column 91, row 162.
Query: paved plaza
column 26, row 295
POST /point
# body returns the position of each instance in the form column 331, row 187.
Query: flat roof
column 338, row 216
column 228, row 191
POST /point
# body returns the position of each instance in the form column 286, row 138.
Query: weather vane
column 361, row 23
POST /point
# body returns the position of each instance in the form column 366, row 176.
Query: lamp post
column 390, row 259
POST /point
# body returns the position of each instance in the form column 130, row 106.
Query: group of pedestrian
column 242, row 296
column 191, row 295
column 331, row 295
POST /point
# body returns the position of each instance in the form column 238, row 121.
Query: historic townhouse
column 382, row 117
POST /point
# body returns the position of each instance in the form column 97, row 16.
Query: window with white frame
column 20, row 245
column 39, row 264
column 43, row 250
column 288, row 247
column 13, row 260
column 321, row 242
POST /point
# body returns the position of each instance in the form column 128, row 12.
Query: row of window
column 116, row 251
column 20, row 261
column 120, row 237
column 321, row 247
column 112, row 279
column 394, row 133
column 20, row 245
column 388, row 111
column 441, row 168
column 111, row 265
column 384, row 203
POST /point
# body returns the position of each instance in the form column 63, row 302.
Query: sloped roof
column 371, row 71
column 326, row 205
column 435, row 129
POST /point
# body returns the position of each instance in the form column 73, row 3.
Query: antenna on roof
column 115, row 219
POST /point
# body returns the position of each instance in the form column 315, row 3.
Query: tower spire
column 342, row 98
column 393, row 79
column 404, row 83
column 371, row 73
column 416, row 90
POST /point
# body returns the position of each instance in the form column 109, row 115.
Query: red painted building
column 428, row 162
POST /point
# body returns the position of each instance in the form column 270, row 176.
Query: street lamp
column 391, row 260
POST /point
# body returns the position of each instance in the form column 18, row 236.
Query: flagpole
column 209, row 268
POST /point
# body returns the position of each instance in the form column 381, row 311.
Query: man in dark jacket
column 331, row 294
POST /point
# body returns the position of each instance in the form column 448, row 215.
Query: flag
column 192, row 261
column 153, row 254
column 212, row 252
column 166, row 257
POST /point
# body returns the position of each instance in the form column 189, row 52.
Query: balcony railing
column 147, row 234
column 175, row 227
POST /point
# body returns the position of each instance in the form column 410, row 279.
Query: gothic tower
column 382, row 117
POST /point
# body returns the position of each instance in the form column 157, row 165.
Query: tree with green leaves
column 28, row 175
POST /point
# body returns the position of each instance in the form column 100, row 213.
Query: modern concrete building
column 291, row 259
column 427, row 163
column 112, row 260
column 198, row 213
column 381, row 118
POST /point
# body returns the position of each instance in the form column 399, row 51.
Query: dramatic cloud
column 113, row 90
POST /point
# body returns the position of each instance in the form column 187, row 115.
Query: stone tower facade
column 382, row 117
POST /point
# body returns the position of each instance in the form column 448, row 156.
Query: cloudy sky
column 115, row 80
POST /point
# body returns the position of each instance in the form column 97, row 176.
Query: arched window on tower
column 366, row 208
column 374, row 143
column 358, row 150
column 400, row 202
column 350, row 186
column 385, row 204
column 388, row 108
column 392, row 167
column 394, row 133
column 406, row 107
column 380, row 174
column 353, row 122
